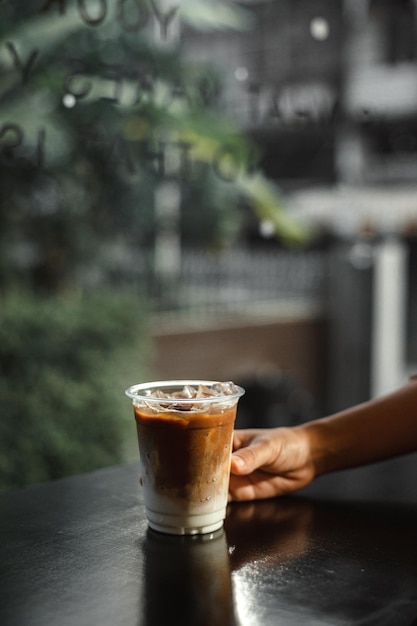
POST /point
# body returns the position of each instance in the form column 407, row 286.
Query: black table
column 77, row 552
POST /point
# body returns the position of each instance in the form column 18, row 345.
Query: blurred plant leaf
column 265, row 199
column 215, row 14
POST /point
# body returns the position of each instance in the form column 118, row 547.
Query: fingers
column 243, row 488
column 240, row 490
column 269, row 462
column 252, row 449
column 257, row 486
column 244, row 437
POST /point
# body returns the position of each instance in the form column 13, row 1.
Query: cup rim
column 133, row 391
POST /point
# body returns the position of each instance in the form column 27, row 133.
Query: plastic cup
column 185, row 446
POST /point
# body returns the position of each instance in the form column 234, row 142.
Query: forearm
column 369, row 432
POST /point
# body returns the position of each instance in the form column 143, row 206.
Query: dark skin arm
column 272, row 462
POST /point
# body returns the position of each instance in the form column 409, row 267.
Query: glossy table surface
column 77, row 552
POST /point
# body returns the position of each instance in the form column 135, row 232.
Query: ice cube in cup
column 185, row 430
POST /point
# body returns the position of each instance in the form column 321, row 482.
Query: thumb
column 258, row 454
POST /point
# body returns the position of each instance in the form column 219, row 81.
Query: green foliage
column 94, row 115
column 64, row 364
column 82, row 108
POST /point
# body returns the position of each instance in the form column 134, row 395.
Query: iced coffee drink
column 185, row 434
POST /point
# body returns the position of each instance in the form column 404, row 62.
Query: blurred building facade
column 328, row 88
column 328, row 91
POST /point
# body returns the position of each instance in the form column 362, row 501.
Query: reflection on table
column 303, row 561
column 78, row 551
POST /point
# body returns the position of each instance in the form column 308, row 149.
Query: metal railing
column 236, row 280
